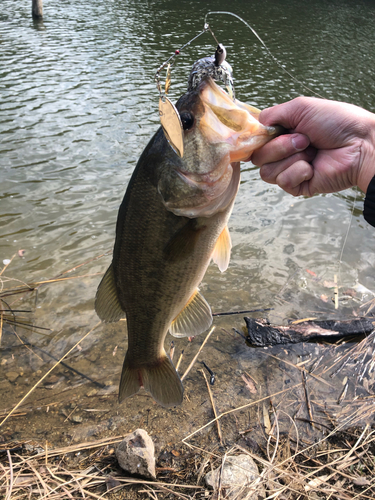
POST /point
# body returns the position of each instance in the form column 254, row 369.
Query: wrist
column 366, row 169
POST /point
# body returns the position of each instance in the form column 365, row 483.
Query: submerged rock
column 236, row 476
column 12, row 376
column 135, row 454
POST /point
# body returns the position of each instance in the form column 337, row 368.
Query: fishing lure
column 214, row 66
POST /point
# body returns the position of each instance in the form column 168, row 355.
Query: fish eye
column 187, row 120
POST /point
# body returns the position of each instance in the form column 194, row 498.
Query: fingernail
column 300, row 142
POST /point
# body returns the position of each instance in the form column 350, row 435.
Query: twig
column 6, row 265
column 231, row 313
column 98, row 384
column 9, row 494
column 308, row 404
column 179, row 360
column 171, row 351
column 247, row 405
column 196, row 356
column 1, row 325
column 213, row 408
column 46, row 374
column 336, row 292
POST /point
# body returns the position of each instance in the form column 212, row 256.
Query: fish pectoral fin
column 183, row 242
column 221, row 253
column 195, row 318
column 160, row 379
column 107, row 304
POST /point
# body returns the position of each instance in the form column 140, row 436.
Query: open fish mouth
column 231, row 121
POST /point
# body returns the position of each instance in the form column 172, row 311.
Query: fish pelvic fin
column 221, row 253
column 107, row 304
column 195, row 317
column 160, row 379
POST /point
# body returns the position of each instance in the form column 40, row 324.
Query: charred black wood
column 260, row 333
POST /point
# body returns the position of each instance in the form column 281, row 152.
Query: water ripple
column 78, row 105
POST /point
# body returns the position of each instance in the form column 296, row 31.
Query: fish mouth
column 232, row 122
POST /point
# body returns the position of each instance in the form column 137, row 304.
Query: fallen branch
column 260, row 333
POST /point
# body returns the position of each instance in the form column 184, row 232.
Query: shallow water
column 78, row 105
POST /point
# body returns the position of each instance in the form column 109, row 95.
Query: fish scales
column 162, row 282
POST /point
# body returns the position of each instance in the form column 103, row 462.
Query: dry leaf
column 366, row 385
column 111, row 483
column 329, row 284
column 315, row 483
column 361, row 481
column 310, row 272
column 249, row 384
column 266, row 420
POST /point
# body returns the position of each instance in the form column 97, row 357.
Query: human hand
column 331, row 146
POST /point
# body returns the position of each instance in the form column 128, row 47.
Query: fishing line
column 207, row 28
column 264, row 45
column 347, row 234
column 305, row 87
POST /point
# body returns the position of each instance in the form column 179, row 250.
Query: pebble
column 77, row 419
column 12, row 376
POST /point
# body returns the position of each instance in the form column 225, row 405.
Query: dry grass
column 341, row 466
column 86, row 470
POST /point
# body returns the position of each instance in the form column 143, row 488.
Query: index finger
column 279, row 148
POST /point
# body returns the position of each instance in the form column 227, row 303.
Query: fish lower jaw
column 210, row 178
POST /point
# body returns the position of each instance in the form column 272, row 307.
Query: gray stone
column 236, row 476
column 135, row 454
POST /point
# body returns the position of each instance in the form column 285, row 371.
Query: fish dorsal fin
column 194, row 318
column 107, row 304
column 221, row 253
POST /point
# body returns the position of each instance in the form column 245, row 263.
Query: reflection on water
column 78, row 104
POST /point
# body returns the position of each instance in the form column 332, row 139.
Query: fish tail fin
column 160, row 379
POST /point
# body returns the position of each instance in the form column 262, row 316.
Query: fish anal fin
column 195, row 317
column 107, row 304
column 221, row 253
column 160, row 379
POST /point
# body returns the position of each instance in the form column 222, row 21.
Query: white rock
column 135, row 454
column 236, row 476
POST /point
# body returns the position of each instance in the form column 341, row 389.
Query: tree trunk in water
column 37, row 9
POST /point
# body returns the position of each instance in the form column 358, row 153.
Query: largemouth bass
column 171, row 223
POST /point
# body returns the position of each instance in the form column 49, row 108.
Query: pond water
column 78, row 104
